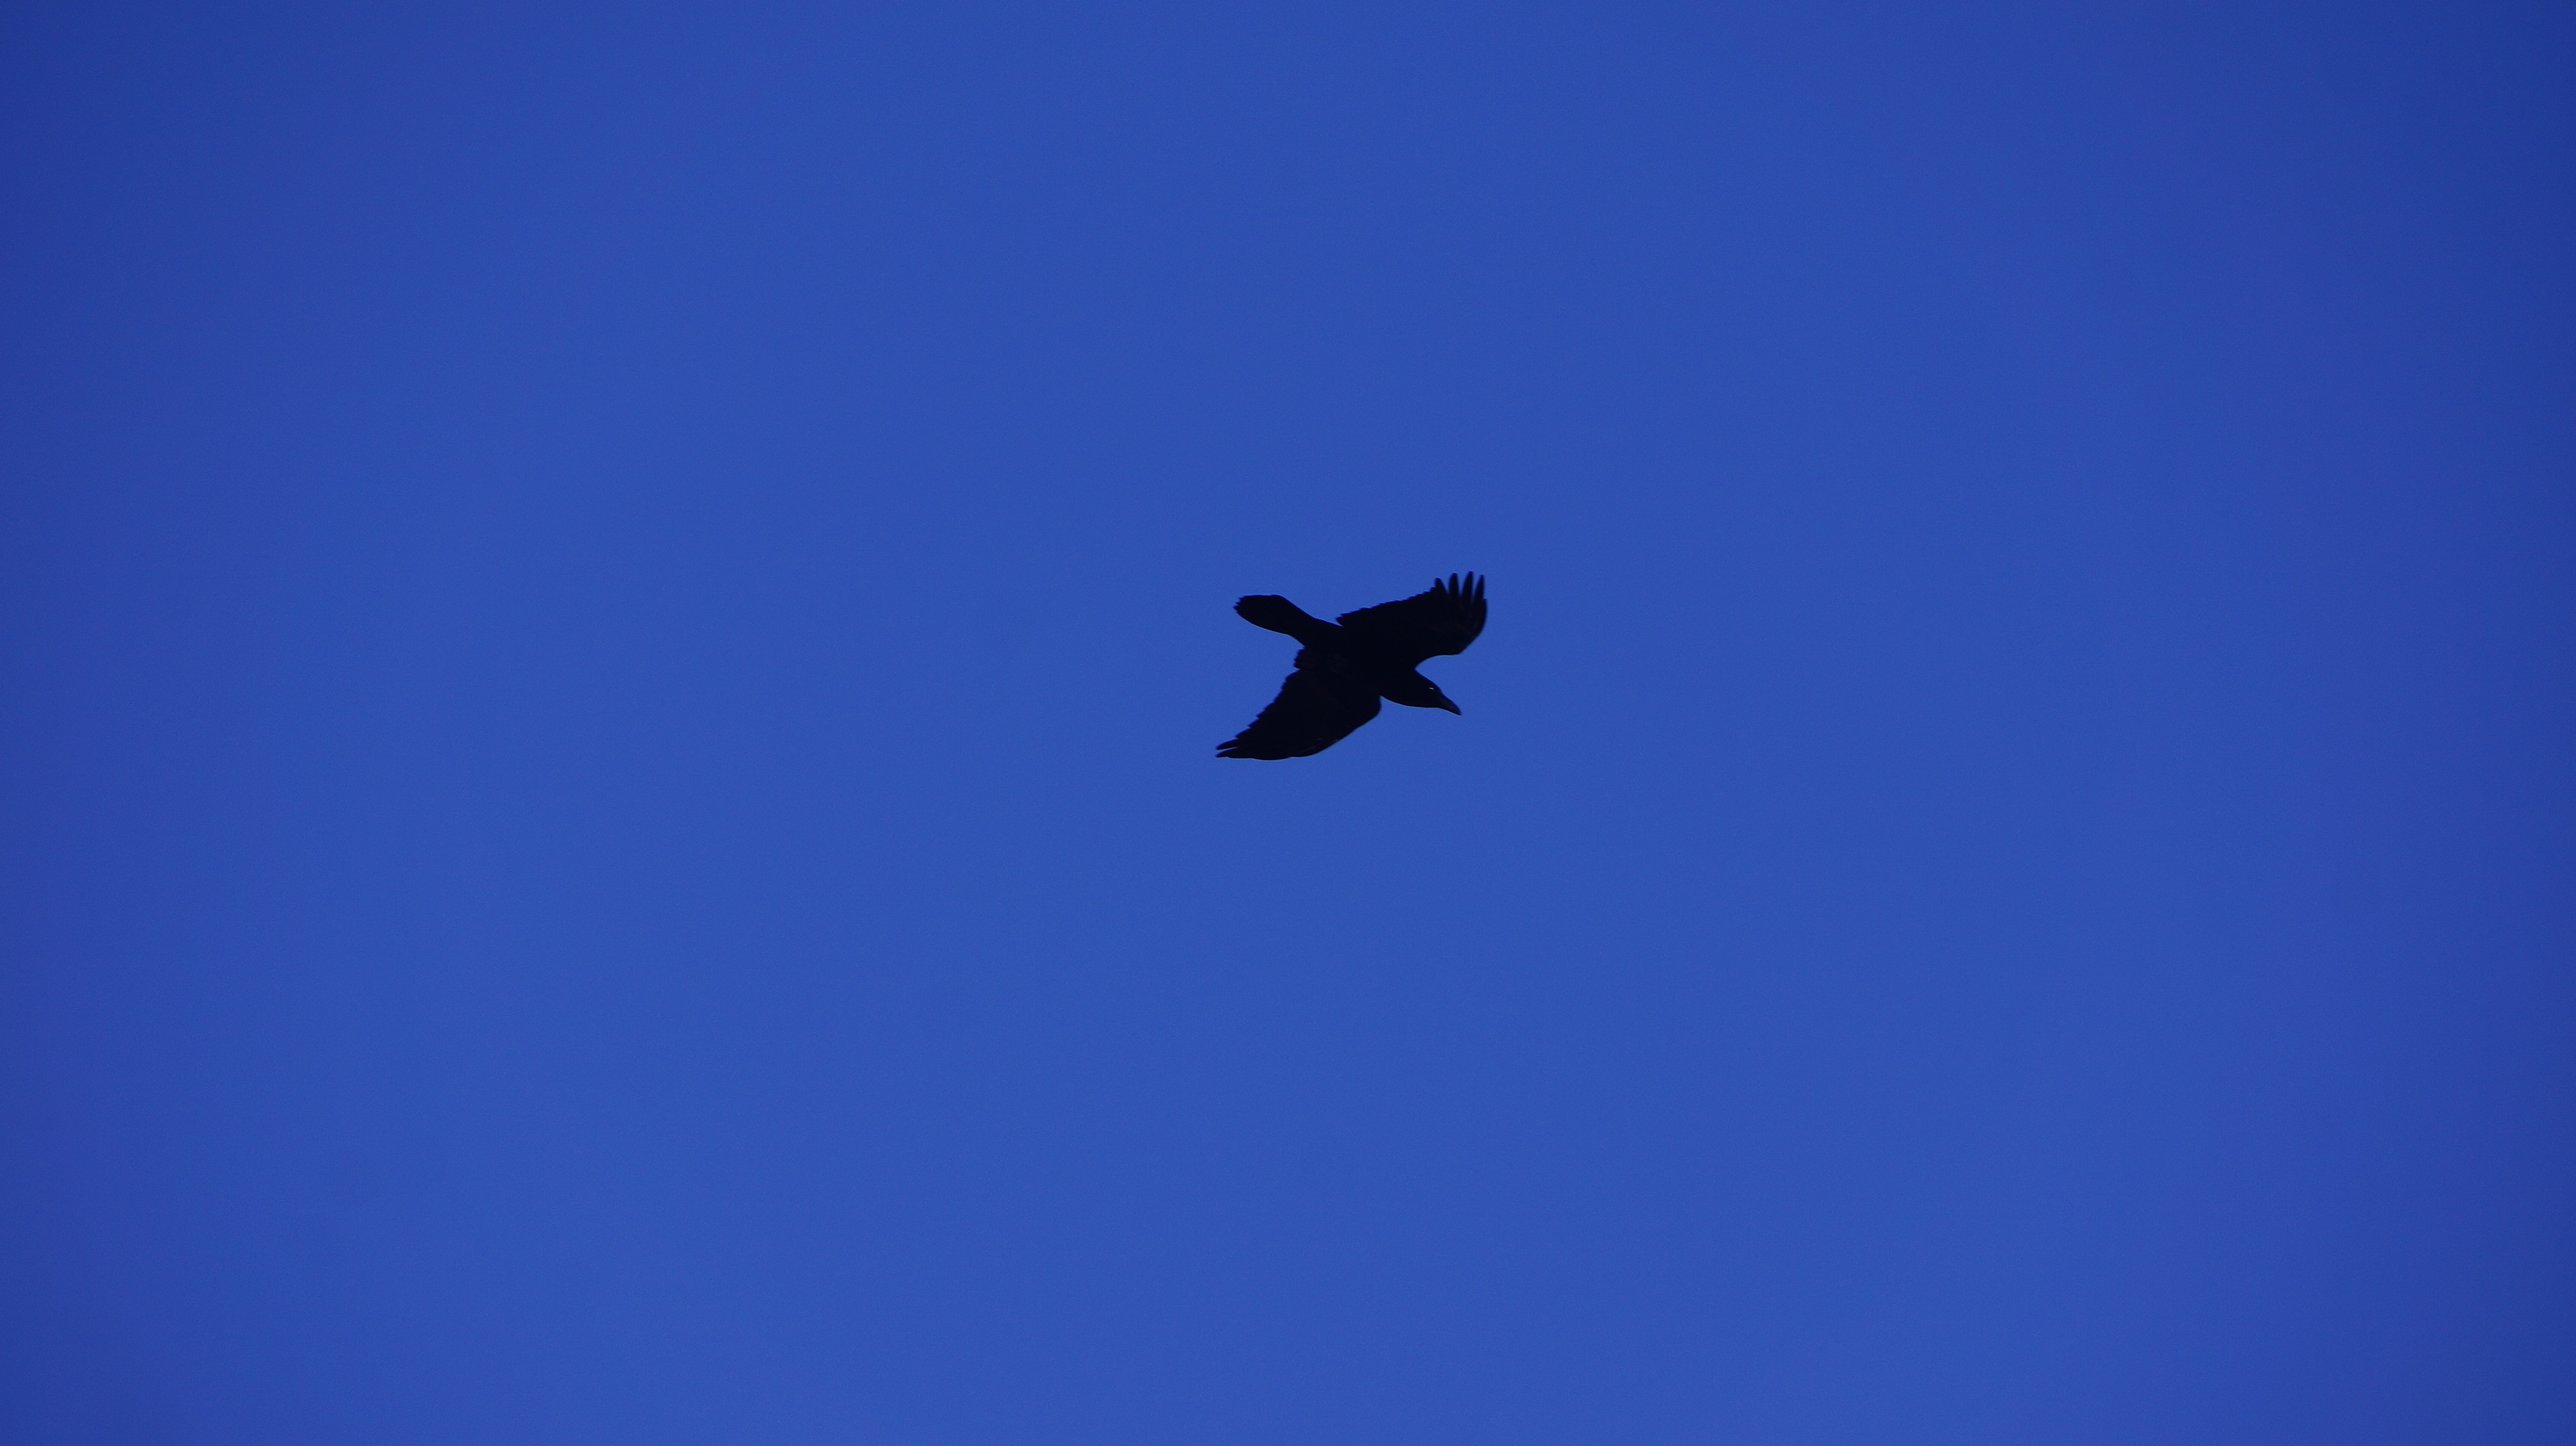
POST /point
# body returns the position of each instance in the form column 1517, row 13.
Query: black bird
column 1349, row 663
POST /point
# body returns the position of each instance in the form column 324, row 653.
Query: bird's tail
column 1280, row 615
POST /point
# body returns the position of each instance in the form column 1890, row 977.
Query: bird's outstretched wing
column 1313, row 712
column 1427, row 624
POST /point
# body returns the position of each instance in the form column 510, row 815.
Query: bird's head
column 1420, row 692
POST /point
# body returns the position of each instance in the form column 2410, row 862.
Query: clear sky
column 616, row 618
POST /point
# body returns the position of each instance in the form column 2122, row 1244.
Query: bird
column 1345, row 666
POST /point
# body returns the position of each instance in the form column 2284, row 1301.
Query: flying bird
column 1345, row 666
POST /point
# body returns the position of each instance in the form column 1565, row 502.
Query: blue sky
column 617, row 617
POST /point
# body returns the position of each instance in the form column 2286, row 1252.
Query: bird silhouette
column 1345, row 666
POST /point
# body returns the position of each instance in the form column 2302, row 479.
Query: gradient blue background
column 617, row 614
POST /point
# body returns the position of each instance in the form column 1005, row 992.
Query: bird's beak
column 1452, row 707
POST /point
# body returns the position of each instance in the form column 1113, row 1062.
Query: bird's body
column 1345, row 666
